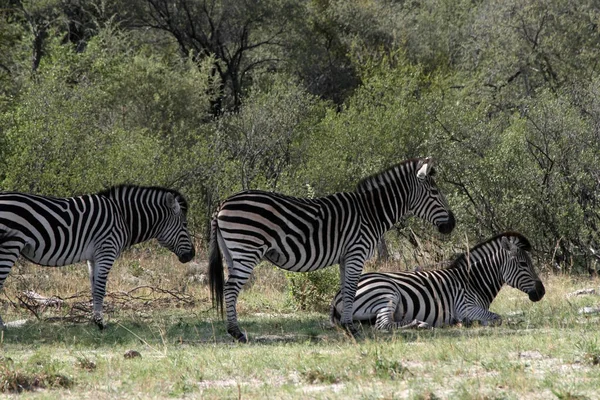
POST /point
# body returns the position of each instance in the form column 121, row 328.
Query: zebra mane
column 523, row 243
column 113, row 190
column 379, row 179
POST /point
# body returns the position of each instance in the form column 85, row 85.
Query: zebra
column 53, row 231
column 303, row 234
column 461, row 292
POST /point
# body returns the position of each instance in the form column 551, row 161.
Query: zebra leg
column 492, row 319
column 414, row 324
column 349, row 276
column 10, row 249
column 98, row 275
column 384, row 321
column 238, row 276
column 485, row 317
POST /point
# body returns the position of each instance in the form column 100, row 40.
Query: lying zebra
column 462, row 292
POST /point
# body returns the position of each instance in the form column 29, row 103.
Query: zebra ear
column 509, row 245
column 424, row 167
column 173, row 204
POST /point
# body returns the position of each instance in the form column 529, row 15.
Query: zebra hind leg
column 10, row 249
column 238, row 276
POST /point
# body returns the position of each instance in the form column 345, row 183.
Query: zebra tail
column 216, row 277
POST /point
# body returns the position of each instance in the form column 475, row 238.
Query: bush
column 313, row 291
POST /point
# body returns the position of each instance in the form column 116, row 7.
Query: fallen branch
column 79, row 306
column 583, row 292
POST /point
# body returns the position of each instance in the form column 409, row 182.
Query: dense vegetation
column 307, row 97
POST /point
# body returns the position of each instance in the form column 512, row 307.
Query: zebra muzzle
column 537, row 293
column 447, row 226
column 187, row 257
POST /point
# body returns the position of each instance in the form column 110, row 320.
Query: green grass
column 542, row 350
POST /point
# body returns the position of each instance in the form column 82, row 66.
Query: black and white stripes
column 60, row 231
column 300, row 235
column 462, row 292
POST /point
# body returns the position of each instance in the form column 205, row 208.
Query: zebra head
column 518, row 270
column 427, row 201
column 174, row 233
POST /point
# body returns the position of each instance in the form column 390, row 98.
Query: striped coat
column 462, row 292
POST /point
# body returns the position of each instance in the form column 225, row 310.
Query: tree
column 233, row 32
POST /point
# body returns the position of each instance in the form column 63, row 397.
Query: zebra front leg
column 485, row 317
column 492, row 319
column 98, row 275
column 10, row 249
column 349, row 276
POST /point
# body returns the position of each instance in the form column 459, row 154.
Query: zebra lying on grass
column 462, row 292
column 301, row 235
column 54, row 231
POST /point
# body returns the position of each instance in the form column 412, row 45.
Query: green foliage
column 87, row 116
column 382, row 124
column 386, row 368
column 313, row 291
column 319, row 375
column 590, row 349
column 263, row 145
column 39, row 375
column 309, row 97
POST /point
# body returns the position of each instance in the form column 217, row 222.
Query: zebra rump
column 462, row 292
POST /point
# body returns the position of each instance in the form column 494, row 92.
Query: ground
column 160, row 309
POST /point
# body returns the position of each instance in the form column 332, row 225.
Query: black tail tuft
column 216, row 277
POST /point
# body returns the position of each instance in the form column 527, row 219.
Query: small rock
column 15, row 324
column 515, row 313
column 132, row 354
column 589, row 310
column 535, row 355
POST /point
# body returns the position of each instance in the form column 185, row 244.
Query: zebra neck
column 483, row 275
column 383, row 208
column 140, row 211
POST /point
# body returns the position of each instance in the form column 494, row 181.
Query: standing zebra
column 54, row 231
column 301, row 235
column 461, row 292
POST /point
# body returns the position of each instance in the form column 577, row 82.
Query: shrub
column 313, row 291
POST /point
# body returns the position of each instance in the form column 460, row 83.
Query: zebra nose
column 447, row 226
column 537, row 293
column 187, row 257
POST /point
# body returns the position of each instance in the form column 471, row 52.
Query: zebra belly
column 56, row 258
column 296, row 265
column 424, row 309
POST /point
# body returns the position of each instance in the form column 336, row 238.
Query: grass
column 542, row 350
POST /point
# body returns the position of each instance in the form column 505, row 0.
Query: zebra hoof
column 242, row 339
column 238, row 336
column 353, row 331
column 100, row 324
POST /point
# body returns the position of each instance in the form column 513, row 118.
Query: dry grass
column 160, row 309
